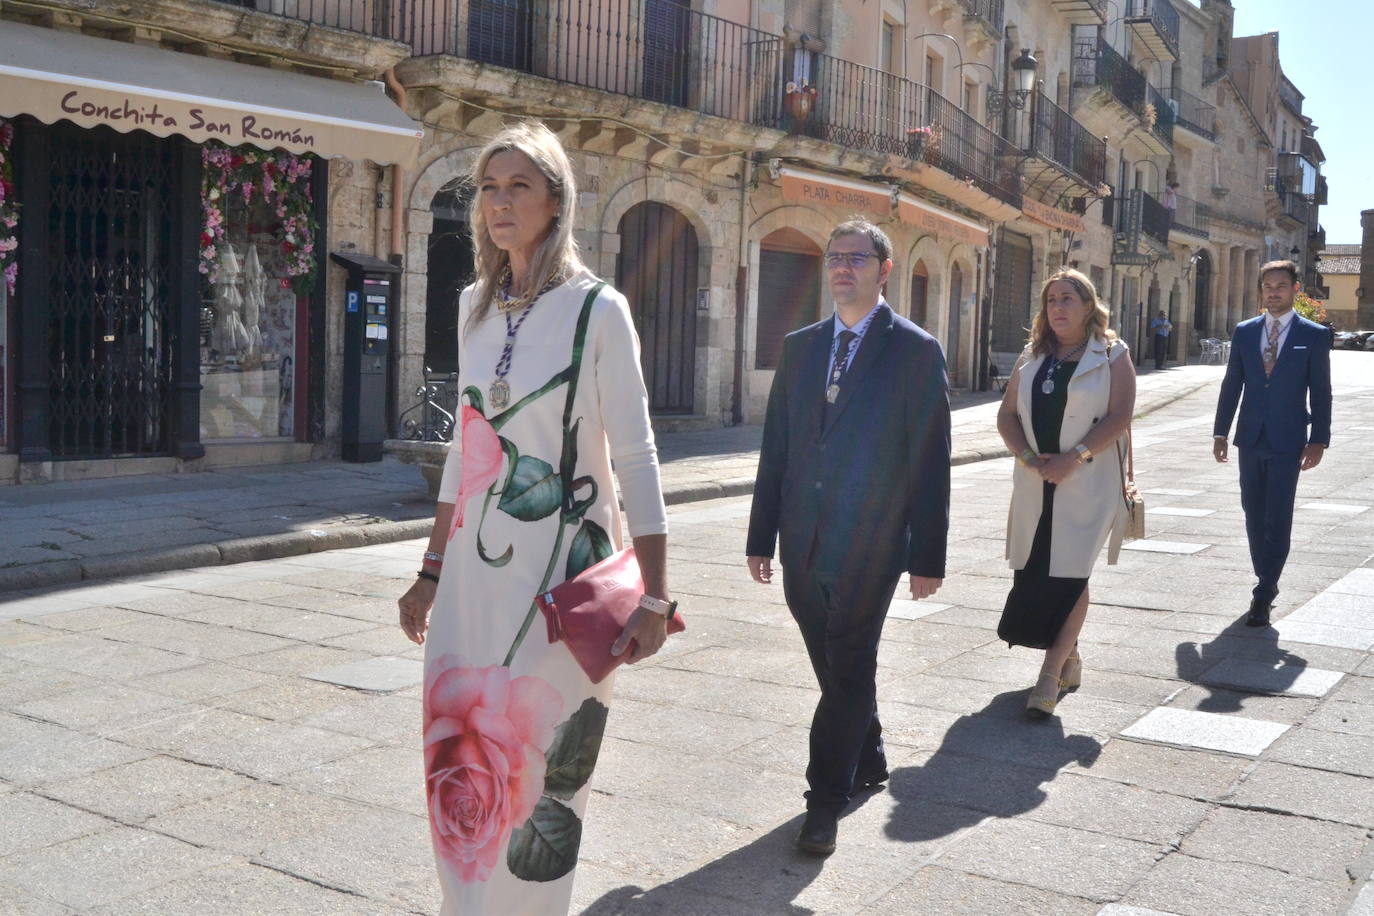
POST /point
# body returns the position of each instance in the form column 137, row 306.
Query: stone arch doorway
column 920, row 293
column 953, row 363
column 450, row 269
column 1202, row 295
column 789, row 291
column 657, row 271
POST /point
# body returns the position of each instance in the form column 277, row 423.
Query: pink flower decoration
column 481, row 461
column 485, row 738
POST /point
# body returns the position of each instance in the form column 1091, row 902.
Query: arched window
column 450, row 269
column 920, row 290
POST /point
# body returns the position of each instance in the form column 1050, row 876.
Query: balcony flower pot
column 923, row 143
column 798, row 100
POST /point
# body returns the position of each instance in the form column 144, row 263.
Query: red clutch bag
column 589, row 612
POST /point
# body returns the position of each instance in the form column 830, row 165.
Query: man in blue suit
column 1280, row 375
column 853, row 486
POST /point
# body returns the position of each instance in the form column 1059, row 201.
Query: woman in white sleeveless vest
column 1068, row 402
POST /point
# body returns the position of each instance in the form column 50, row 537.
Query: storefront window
column 256, row 262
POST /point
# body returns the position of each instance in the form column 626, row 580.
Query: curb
column 297, row 543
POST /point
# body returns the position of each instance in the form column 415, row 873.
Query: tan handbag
column 1130, row 493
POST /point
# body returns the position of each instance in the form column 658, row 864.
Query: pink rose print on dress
column 486, row 734
column 481, row 461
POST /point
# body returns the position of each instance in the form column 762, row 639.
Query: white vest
column 1088, row 507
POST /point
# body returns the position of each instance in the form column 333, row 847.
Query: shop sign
column 832, row 191
column 940, row 222
column 1053, row 217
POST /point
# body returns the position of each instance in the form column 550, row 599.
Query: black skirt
column 1039, row 603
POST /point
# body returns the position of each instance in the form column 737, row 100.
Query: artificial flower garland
column 282, row 180
column 9, row 210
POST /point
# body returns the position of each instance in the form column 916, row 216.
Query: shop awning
column 803, row 187
column 941, row 222
column 54, row 75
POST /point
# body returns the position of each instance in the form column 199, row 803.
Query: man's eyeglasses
column 852, row 259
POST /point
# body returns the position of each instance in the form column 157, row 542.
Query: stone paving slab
column 381, row 675
column 1211, row 731
column 1262, row 677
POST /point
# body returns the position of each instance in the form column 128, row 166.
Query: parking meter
column 370, row 297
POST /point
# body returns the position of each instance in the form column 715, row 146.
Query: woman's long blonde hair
column 557, row 254
column 1042, row 339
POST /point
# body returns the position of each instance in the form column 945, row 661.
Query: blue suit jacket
column 1281, row 406
column 862, row 485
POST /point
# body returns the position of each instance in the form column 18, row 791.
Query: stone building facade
column 718, row 142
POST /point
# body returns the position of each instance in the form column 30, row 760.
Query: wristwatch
column 1085, row 454
column 665, row 609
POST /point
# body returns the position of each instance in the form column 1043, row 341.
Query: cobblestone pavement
column 184, row 742
column 67, row 532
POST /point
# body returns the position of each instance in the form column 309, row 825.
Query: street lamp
column 1023, row 73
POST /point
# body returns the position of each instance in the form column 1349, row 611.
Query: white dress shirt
column 1285, row 322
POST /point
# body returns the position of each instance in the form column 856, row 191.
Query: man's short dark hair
column 882, row 245
column 1287, row 267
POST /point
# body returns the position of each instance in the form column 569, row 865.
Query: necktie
column 1271, row 350
column 845, row 342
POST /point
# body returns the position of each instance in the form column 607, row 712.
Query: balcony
column 988, row 12
column 1155, row 25
column 1322, row 193
column 1296, row 207
column 1316, row 239
column 1159, row 115
column 1141, row 229
column 1312, row 150
column 1082, row 12
column 1063, row 154
column 378, row 18
column 1193, row 114
column 1189, row 217
column 1097, row 65
column 654, row 50
column 868, row 109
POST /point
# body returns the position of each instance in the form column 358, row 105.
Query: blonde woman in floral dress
column 551, row 394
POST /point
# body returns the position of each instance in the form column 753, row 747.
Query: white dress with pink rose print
column 512, row 725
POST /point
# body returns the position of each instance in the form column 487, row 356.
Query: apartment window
column 935, row 71
column 888, row 47
column 970, row 97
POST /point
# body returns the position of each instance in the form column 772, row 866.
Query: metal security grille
column 1011, row 293
column 657, row 272
column 110, row 218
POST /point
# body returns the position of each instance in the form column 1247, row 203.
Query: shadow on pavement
column 763, row 877
column 1257, row 646
column 991, row 763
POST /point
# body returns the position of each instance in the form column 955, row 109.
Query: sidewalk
column 60, row 533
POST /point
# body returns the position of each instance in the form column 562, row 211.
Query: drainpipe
column 398, row 179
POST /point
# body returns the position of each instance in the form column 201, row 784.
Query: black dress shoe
column 870, row 780
column 1259, row 613
column 818, row 831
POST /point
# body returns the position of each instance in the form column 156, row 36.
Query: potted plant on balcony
column 798, row 99
column 923, row 143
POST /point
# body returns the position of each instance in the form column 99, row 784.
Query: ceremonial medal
column 500, row 394
column 1047, row 386
column 832, row 393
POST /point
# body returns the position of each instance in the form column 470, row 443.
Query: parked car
column 1369, row 341
column 1355, row 340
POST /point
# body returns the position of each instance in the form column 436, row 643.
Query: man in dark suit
column 853, row 481
column 1280, row 375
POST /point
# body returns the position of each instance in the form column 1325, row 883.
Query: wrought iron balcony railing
column 1189, row 216
column 1161, row 17
column 990, row 11
column 1097, row 63
column 1317, row 238
column 869, row 109
column 1193, row 113
column 378, row 18
column 1163, row 123
column 1057, row 136
column 1322, row 192
column 658, row 50
column 1296, row 206
column 1154, row 218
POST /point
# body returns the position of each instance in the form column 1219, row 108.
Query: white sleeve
column 453, row 463
column 624, row 406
